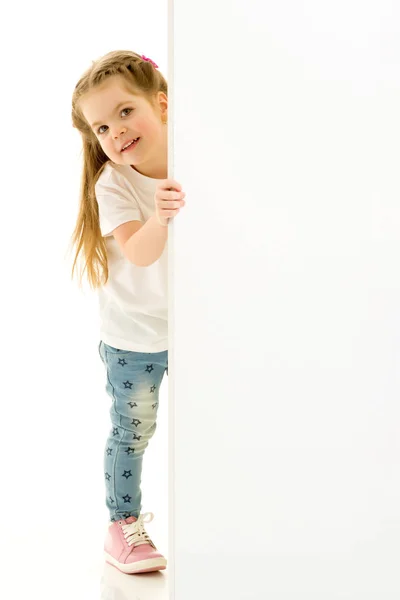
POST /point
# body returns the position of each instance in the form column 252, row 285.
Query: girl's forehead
column 115, row 88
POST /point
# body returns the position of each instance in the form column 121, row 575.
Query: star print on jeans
column 149, row 368
column 154, row 405
column 132, row 404
column 127, row 474
column 136, row 422
column 128, row 384
column 109, row 451
column 108, row 477
column 111, row 500
column 122, row 361
column 137, row 437
column 115, row 431
column 152, row 389
column 127, row 498
column 130, row 451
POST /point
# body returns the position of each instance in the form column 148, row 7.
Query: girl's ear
column 163, row 100
column 163, row 103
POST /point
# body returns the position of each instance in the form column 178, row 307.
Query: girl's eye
column 99, row 129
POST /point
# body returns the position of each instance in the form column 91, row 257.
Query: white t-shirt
column 134, row 302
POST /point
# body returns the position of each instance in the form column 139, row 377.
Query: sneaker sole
column 141, row 566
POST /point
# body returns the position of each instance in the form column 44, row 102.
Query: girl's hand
column 168, row 200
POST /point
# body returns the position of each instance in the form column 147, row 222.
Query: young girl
column 119, row 106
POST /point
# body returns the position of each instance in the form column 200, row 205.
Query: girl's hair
column 141, row 79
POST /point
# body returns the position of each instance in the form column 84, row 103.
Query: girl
column 119, row 106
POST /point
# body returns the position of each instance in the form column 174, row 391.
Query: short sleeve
column 117, row 202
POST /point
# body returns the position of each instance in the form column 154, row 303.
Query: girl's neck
column 153, row 173
column 157, row 166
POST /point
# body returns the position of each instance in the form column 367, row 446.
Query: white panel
column 285, row 305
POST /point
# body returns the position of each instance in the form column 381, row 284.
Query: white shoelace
column 135, row 532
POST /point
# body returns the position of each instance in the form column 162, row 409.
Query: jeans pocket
column 99, row 351
column 111, row 350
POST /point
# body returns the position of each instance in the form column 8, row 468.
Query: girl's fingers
column 170, row 184
column 165, row 195
column 170, row 204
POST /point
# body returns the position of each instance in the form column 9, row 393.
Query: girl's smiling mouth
column 130, row 145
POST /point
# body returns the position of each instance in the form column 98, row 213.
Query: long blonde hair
column 141, row 78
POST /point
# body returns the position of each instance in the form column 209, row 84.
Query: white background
column 54, row 408
column 287, row 300
column 285, row 304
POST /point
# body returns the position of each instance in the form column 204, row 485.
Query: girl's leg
column 133, row 383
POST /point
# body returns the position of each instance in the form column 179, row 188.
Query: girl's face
column 117, row 117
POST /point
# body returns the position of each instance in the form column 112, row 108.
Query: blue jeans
column 133, row 383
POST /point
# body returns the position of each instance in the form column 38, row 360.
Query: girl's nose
column 119, row 132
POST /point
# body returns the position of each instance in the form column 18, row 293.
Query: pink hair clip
column 150, row 61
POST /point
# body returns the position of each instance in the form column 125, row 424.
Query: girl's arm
column 142, row 244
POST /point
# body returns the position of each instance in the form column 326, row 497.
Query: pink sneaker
column 129, row 548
